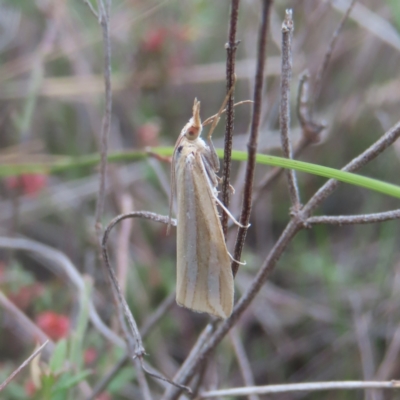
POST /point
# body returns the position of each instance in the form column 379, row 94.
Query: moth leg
column 231, row 257
column 211, row 155
column 229, row 213
column 210, row 171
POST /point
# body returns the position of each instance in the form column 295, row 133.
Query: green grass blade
column 92, row 160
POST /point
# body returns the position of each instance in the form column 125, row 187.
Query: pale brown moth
column 204, row 275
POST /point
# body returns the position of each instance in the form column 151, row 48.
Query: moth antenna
column 221, row 110
column 209, row 120
column 196, row 114
column 173, row 185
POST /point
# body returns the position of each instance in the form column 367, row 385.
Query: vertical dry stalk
column 287, row 32
column 328, row 54
column 104, row 11
column 243, row 361
column 253, row 139
column 231, row 47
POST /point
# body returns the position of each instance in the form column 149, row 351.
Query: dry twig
column 252, row 143
column 287, row 32
column 301, row 387
column 231, row 47
column 23, row 365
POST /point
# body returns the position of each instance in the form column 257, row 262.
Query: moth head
column 193, row 129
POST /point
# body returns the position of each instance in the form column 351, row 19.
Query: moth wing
column 204, row 275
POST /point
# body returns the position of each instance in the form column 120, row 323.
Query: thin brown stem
column 108, row 377
column 91, row 8
column 106, row 125
column 191, row 361
column 138, row 349
column 141, row 378
column 295, row 225
column 301, row 387
column 231, row 47
column 362, row 328
column 287, row 33
column 23, row 365
column 253, row 139
column 311, row 131
column 322, row 69
column 189, row 368
column 363, row 159
column 355, row 219
column 132, row 335
column 148, row 325
column 243, row 361
column 390, row 360
column 127, row 321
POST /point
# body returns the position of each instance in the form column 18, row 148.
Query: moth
column 204, row 275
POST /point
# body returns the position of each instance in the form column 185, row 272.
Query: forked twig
column 148, row 324
column 297, row 223
column 131, row 331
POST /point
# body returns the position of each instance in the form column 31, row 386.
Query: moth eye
column 192, row 133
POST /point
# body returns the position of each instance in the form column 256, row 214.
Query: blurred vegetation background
column 329, row 312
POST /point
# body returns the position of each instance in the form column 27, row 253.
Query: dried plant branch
column 23, row 365
column 358, row 162
column 310, row 133
column 311, row 130
column 297, row 223
column 243, row 361
column 108, row 377
column 138, row 349
column 122, row 263
column 252, row 143
column 284, row 120
column 301, row 387
column 355, row 219
column 141, row 378
column 104, row 19
column 231, row 47
column 131, row 331
column 198, row 356
column 91, row 8
column 160, row 312
column 361, row 329
column 198, row 379
column 322, row 69
column 149, row 323
column 191, row 363
column 390, row 360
